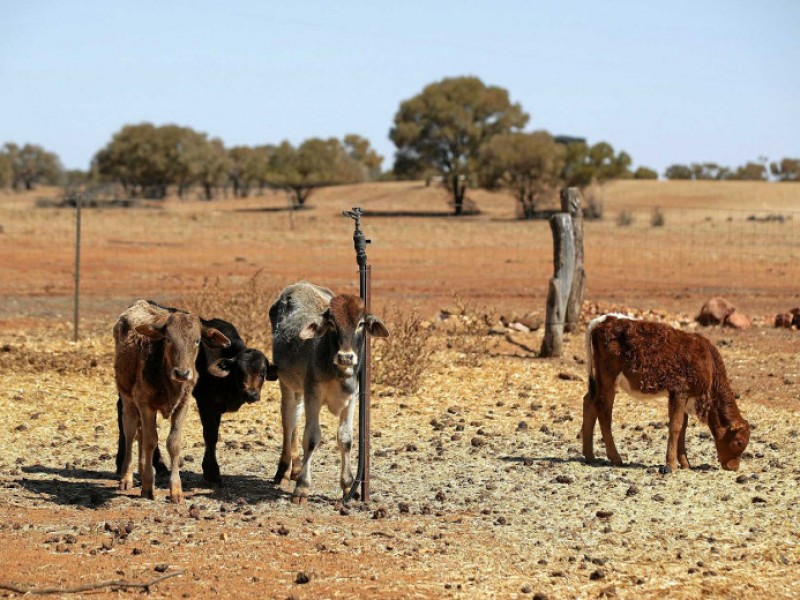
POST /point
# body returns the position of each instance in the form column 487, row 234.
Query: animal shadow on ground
column 72, row 487
column 95, row 489
column 559, row 460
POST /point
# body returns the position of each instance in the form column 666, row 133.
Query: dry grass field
column 478, row 489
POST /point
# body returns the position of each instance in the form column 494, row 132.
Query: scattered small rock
column 604, row 514
column 564, row 479
column 632, row 490
column 568, row 376
column 598, row 574
column 302, row 578
column 161, row 567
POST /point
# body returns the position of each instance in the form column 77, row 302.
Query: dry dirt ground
column 478, row 487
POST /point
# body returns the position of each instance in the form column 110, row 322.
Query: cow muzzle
column 181, row 375
column 346, row 359
column 731, row 465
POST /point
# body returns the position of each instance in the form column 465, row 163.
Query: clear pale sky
column 666, row 81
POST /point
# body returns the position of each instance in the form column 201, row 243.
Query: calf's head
column 181, row 334
column 731, row 441
column 346, row 322
column 248, row 369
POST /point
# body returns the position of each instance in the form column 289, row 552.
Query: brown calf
column 154, row 365
column 652, row 358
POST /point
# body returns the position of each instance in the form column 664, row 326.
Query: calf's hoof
column 212, row 476
column 125, row 484
column 684, row 463
column 176, row 497
column 666, row 469
column 280, row 473
column 148, row 494
column 299, row 500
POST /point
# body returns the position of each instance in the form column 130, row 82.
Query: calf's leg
column 297, row 465
column 312, row 435
column 130, row 424
column 289, row 411
column 211, row 420
column 174, row 449
column 120, row 438
column 149, row 442
column 344, row 439
column 607, row 390
column 158, row 462
column 683, row 459
column 677, row 412
column 589, row 420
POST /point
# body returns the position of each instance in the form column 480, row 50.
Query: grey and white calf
column 318, row 349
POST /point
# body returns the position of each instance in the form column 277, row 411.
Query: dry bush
column 245, row 304
column 657, row 218
column 625, row 218
column 401, row 359
column 593, row 202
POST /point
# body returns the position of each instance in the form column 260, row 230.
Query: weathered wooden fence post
column 560, row 284
column 571, row 203
column 565, row 292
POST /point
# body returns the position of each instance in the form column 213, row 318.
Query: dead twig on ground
column 114, row 583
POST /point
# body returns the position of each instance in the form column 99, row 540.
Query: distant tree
column 6, row 170
column 678, row 172
column 709, row 171
column 137, row 159
column 249, row 167
column 751, row 171
column 585, row 164
column 788, row 169
column 211, row 167
column 315, row 163
column 30, row 165
column 362, row 152
column 146, row 159
column 445, row 125
column 645, row 173
column 527, row 164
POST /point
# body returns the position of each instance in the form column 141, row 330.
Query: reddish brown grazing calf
column 154, row 365
column 651, row 358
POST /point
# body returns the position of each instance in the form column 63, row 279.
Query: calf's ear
column 316, row 328
column 215, row 338
column 221, row 367
column 154, row 331
column 375, row 327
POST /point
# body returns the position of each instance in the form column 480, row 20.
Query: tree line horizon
column 458, row 131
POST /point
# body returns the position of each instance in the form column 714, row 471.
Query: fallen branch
column 114, row 583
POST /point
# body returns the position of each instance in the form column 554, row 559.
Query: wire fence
column 641, row 259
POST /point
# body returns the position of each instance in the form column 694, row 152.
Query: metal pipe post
column 360, row 242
